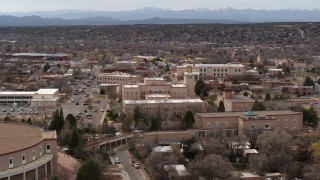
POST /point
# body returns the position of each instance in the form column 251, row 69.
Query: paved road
column 135, row 174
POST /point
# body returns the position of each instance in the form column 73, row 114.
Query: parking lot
column 9, row 110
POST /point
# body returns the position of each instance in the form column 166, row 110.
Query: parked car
column 117, row 161
column 77, row 103
column 136, row 165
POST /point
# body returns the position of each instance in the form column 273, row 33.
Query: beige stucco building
column 209, row 71
column 156, row 96
column 233, row 102
column 158, row 87
column 166, row 107
column 106, row 80
column 237, row 123
column 27, row 152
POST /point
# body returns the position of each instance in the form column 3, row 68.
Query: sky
column 116, row 5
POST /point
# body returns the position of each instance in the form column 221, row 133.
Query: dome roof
column 250, row 113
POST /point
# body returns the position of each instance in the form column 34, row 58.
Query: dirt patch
column 67, row 166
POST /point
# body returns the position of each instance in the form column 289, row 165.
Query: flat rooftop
column 14, row 137
column 40, row 91
column 162, row 101
column 47, row 91
column 213, row 65
column 39, row 55
column 241, row 114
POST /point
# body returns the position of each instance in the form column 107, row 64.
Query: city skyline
column 108, row 5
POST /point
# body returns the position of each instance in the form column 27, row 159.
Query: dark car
column 77, row 103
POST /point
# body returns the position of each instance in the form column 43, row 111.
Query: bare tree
column 212, row 166
column 155, row 164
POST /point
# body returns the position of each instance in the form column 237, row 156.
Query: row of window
column 268, row 127
column 114, row 79
column 24, row 156
column 220, row 70
column 15, row 97
column 226, row 124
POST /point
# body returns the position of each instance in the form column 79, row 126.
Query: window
column 286, row 121
column 226, row 124
column 48, row 148
column 217, row 124
column 252, row 126
column 11, row 162
column 33, row 155
column 208, row 124
column 294, row 121
column 23, row 158
column 40, row 150
column 235, row 123
column 278, row 121
column 266, row 126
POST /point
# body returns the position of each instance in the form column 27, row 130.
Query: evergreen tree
column 102, row 92
column 199, row 87
column 29, row 121
column 137, row 115
column 61, row 113
column 310, row 117
column 74, row 139
column 89, row 170
column 221, row 107
column 57, row 122
column 246, row 94
column 72, row 120
column 268, row 97
column 308, row 82
column 46, row 67
column 188, row 120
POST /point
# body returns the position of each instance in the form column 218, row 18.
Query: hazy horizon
column 109, row 5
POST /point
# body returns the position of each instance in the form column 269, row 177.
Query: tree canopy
column 310, row 117
column 72, row 120
column 57, row 122
column 89, row 170
column 308, row 82
column 221, row 107
column 188, row 120
column 213, row 166
column 257, row 106
column 275, row 153
column 200, row 88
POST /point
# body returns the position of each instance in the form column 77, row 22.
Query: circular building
column 27, row 152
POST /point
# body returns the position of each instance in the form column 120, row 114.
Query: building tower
column 190, row 79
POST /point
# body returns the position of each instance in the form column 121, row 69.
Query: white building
column 42, row 97
column 209, row 71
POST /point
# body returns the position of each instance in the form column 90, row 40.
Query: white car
column 117, row 161
column 136, row 165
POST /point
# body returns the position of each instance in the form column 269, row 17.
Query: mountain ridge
column 166, row 16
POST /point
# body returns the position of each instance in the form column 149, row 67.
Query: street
column 123, row 155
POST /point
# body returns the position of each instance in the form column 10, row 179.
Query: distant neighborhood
column 160, row 102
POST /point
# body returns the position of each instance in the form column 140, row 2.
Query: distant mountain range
column 157, row 16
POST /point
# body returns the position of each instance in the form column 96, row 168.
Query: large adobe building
column 156, row 95
column 158, row 87
column 237, row 123
column 27, row 152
